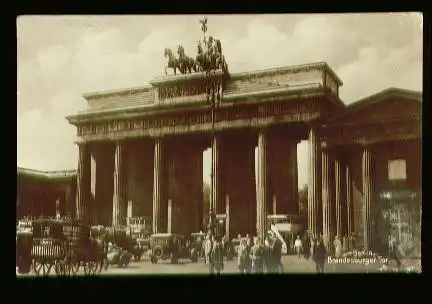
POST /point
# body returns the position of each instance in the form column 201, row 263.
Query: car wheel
column 157, row 252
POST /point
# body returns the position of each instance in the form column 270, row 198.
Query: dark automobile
column 164, row 246
column 196, row 246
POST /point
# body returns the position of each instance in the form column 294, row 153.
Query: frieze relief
column 301, row 111
column 275, row 80
column 359, row 134
column 191, row 88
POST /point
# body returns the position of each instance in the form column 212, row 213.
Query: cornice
column 50, row 175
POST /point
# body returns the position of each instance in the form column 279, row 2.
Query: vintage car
column 117, row 256
column 119, row 237
column 196, row 246
column 164, row 246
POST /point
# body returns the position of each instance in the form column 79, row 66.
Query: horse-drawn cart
column 48, row 248
column 82, row 250
column 63, row 245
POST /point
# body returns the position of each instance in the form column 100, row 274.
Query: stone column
column 215, row 179
column 367, row 197
column 327, row 199
column 83, row 182
column 314, row 187
column 348, row 197
column 119, row 199
column 339, row 197
column 157, row 187
column 262, row 186
column 227, row 220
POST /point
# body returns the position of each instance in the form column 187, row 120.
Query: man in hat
column 319, row 255
column 257, row 256
column 277, row 253
column 217, row 256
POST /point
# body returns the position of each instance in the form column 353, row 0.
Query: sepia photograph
column 219, row 144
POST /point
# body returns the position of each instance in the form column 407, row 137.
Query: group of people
column 214, row 252
column 256, row 257
column 313, row 246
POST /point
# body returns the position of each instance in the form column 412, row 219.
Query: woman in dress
column 337, row 247
column 298, row 246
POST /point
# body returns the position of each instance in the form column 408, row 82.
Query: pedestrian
column 208, row 246
column 269, row 256
column 277, row 254
column 312, row 245
column 353, row 242
column 319, row 255
column 337, row 247
column 344, row 244
column 243, row 257
column 298, row 246
column 257, row 255
column 249, row 245
column 217, row 256
column 306, row 246
column 210, row 255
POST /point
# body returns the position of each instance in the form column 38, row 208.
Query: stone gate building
column 42, row 193
column 146, row 145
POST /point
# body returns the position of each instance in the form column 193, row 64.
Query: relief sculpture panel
column 189, row 91
column 277, row 112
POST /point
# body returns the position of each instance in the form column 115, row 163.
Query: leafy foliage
column 303, row 200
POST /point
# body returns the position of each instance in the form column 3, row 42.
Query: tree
column 303, row 200
column 206, row 192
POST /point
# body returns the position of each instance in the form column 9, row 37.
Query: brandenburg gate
column 146, row 145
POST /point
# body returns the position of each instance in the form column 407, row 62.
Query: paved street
column 292, row 264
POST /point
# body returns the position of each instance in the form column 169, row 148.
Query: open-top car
column 164, row 246
column 117, row 256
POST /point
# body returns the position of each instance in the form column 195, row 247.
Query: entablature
column 249, row 115
column 371, row 132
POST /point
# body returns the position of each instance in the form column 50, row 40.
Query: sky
column 60, row 58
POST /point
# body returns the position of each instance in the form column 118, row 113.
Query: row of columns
column 326, row 196
column 330, row 202
column 162, row 168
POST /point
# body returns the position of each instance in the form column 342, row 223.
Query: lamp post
column 213, row 94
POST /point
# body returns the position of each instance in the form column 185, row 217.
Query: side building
column 41, row 193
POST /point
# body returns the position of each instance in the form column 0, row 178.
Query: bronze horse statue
column 220, row 59
column 201, row 59
column 187, row 64
column 173, row 62
column 213, row 58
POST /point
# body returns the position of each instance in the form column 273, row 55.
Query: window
column 397, row 169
